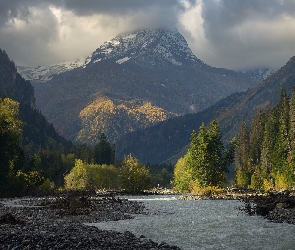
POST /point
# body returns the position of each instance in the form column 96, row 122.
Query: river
column 204, row 224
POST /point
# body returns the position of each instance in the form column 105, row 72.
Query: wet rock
column 275, row 206
column 50, row 224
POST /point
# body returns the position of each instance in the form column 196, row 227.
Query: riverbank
column 275, row 206
column 58, row 223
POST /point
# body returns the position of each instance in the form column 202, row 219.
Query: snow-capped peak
column 146, row 47
column 161, row 44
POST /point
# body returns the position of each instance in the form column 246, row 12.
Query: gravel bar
column 58, row 223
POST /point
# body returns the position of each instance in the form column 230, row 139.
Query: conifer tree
column 200, row 164
column 292, row 127
column 216, row 169
column 242, row 175
column 269, row 141
column 282, row 144
column 206, row 161
column 256, row 137
column 104, row 152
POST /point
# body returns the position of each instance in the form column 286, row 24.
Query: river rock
column 51, row 223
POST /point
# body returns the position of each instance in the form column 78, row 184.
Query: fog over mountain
column 236, row 34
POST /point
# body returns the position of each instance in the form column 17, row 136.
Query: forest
column 263, row 155
column 265, row 152
column 82, row 167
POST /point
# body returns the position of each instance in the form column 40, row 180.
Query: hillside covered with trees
column 169, row 140
column 265, row 152
column 34, row 158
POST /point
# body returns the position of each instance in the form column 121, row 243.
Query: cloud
column 249, row 34
column 47, row 31
column 234, row 34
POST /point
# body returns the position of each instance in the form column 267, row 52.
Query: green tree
column 182, row 176
column 134, row 176
column 104, row 152
column 199, row 158
column 206, row 161
column 162, row 174
column 269, row 141
column 242, row 174
column 86, row 176
column 292, row 127
column 282, row 143
column 77, row 178
column 256, row 137
column 102, row 177
column 11, row 154
column 83, row 152
column 217, row 167
column 51, row 164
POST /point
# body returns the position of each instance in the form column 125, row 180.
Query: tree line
column 82, row 167
column 206, row 162
column 265, row 152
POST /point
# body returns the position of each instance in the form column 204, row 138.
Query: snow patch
column 125, row 59
column 97, row 60
column 108, row 51
column 130, row 36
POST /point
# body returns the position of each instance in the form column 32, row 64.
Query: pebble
column 47, row 228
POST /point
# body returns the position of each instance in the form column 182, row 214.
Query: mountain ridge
column 154, row 66
column 167, row 140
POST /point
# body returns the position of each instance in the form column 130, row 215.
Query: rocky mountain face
column 230, row 112
column 37, row 132
column 148, row 66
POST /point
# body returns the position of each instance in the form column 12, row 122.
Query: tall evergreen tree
column 104, row 152
column 282, row 144
column 206, row 160
column 256, row 137
column 201, row 163
column 269, row 141
column 216, row 176
column 292, row 127
column 242, row 175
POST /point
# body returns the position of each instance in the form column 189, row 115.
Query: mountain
column 37, row 132
column 146, row 66
column 259, row 75
column 46, row 73
column 168, row 140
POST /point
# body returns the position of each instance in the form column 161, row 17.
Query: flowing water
column 204, row 224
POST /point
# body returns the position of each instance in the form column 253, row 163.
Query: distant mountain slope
column 46, row 73
column 37, row 132
column 154, row 66
column 113, row 115
column 165, row 140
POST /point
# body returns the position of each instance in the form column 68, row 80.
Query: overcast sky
column 234, row 34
